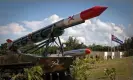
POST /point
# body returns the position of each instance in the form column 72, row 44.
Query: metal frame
column 51, row 39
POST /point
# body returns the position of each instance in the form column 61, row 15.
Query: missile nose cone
column 100, row 9
column 87, row 51
column 92, row 12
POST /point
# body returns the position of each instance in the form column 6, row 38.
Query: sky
column 20, row 17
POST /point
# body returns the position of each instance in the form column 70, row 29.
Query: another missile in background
column 77, row 52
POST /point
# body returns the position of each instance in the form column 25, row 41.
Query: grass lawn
column 124, row 69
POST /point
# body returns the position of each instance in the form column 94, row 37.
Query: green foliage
column 19, row 76
column 3, row 49
column 81, row 68
column 127, row 47
column 34, row 73
column 95, row 47
column 52, row 49
column 73, row 43
column 110, row 73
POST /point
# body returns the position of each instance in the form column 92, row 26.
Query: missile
column 84, row 15
column 57, row 28
column 77, row 52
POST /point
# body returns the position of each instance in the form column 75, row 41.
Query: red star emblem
column 70, row 18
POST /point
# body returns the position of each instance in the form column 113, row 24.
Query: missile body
column 77, row 52
column 57, row 28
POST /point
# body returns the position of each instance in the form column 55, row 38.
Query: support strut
column 61, row 46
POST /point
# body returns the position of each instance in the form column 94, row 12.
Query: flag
column 114, row 38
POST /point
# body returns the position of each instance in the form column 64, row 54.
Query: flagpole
column 110, row 34
column 111, row 43
column 118, row 49
column 114, row 43
column 114, row 47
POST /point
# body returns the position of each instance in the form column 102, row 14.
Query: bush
column 34, row 73
column 110, row 73
column 19, row 76
column 81, row 68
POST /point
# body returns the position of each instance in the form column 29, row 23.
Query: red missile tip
column 92, row 12
column 9, row 40
column 87, row 51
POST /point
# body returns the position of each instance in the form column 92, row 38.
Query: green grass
column 124, row 69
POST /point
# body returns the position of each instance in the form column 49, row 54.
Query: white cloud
column 129, row 30
column 54, row 18
column 81, row 39
column 12, row 28
column 92, row 31
column 35, row 25
column 96, row 31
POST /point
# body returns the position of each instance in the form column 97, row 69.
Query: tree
column 95, row 47
column 3, row 49
column 127, row 46
column 73, row 43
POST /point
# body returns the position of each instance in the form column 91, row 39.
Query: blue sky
column 118, row 12
column 16, row 11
